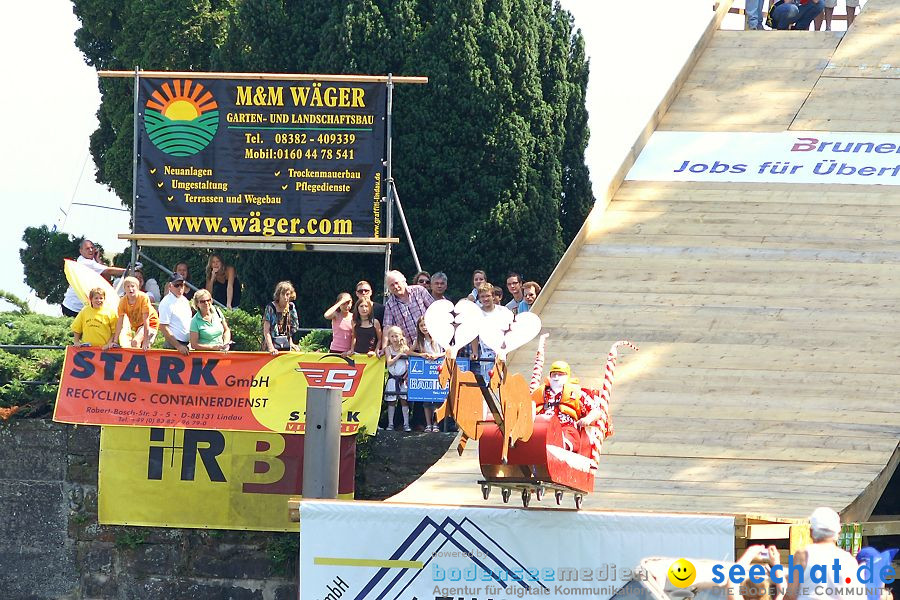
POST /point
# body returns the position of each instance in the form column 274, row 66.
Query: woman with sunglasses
column 423, row 278
column 209, row 329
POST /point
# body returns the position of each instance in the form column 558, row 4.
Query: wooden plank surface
column 766, row 313
column 750, row 81
column 852, row 104
column 605, row 194
column 871, row 49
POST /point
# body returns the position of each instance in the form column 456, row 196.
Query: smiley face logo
column 682, row 573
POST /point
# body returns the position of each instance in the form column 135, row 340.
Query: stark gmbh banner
column 236, row 391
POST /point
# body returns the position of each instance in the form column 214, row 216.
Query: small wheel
column 559, row 496
column 505, row 494
column 485, row 490
column 539, row 493
column 526, row 497
column 578, row 498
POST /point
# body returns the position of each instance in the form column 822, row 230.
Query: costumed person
column 561, row 397
column 576, row 407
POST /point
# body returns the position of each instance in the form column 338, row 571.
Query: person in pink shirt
column 341, row 324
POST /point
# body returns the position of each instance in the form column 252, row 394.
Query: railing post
column 322, row 443
column 321, row 449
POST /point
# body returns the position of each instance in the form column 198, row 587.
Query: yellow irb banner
column 165, row 477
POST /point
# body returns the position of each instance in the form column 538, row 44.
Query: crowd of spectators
column 190, row 319
column 796, row 14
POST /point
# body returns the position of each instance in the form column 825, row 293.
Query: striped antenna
column 538, row 370
column 603, row 427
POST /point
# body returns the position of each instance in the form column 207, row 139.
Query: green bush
column 34, row 329
column 316, row 341
column 246, row 329
column 282, row 549
column 28, row 378
column 11, row 366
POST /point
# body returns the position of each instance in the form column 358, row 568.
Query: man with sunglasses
column 175, row 316
column 364, row 290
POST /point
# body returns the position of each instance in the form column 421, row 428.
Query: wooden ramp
column 767, row 314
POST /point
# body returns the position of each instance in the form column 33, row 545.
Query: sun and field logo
column 181, row 117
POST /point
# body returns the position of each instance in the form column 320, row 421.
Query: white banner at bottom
column 369, row 551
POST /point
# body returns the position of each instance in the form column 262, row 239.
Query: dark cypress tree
column 577, row 199
column 488, row 157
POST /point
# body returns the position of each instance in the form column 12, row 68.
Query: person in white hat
column 818, row 561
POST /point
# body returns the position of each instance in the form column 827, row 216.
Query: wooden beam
column 293, row 505
column 800, row 537
column 861, row 509
column 270, row 76
column 256, row 238
column 880, row 528
column 769, row 531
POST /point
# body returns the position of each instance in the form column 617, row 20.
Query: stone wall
column 52, row 547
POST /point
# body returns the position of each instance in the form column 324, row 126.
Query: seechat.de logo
column 682, row 573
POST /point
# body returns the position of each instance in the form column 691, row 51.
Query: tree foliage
column 28, row 378
column 42, row 260
column 488, row 156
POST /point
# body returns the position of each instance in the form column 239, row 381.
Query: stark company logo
column 344, row 377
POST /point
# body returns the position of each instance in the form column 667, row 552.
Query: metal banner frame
column 322, row 244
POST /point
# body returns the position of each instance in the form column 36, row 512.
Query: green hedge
column 29, row 379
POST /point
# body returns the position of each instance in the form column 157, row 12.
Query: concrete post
column 322, row 443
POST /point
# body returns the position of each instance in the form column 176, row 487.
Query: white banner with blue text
column 782, row 157
column 361, row 550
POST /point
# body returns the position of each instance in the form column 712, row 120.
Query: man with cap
column 175, row 316
column 562, row 397
column 822, row 559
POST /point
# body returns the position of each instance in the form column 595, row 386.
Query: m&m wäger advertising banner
column 234, row 391
column 279, row 158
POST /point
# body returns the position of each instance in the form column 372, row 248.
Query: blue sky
column 50, row 101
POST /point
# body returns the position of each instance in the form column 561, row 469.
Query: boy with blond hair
column 94, row 324
column 142, row 317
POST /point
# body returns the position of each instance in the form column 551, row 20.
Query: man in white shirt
column 836, row 578
column 71, row 303
column 175, row 316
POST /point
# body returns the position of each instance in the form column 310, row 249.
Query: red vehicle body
column 537, row 465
